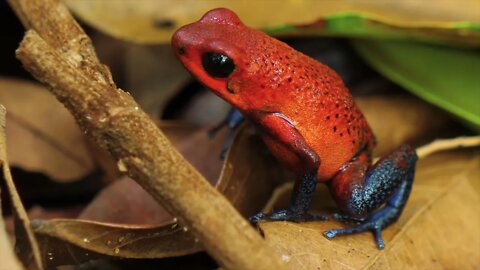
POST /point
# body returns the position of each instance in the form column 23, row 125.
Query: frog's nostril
column 181, row 50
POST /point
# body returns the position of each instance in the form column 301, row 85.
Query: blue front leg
column 232, row 121
column 360, row 190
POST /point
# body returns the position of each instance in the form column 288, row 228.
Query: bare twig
column 447, row 144
column 9, row 260
column 58, row 53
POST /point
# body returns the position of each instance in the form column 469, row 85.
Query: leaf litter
column 443, row 201
column 245, row 180
column 248, row 178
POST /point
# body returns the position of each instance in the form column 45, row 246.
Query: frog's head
column 214, row 49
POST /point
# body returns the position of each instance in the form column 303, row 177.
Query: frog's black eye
column 217, row 64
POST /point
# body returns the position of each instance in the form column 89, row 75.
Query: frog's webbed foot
column 388, row 182
column 375, row 223
column 286, row 215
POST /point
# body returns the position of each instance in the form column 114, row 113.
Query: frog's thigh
column 359, row 189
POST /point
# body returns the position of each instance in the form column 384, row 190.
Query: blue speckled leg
column 232, row 121
column 279, row 134
column 389, row 181
column 301, row 198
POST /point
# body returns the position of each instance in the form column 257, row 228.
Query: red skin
column 273, row 82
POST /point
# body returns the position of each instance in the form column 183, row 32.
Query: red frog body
column 302, row 109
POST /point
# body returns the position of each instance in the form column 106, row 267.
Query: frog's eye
column 217, row 64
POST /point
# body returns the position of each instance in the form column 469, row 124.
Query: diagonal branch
column 58, row 53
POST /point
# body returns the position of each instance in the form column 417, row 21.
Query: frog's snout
column 183, row 44
column 177, row 43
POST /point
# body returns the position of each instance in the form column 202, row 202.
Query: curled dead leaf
column 70, row 241
column 438, row 226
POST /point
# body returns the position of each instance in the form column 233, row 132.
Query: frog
column 307, row 118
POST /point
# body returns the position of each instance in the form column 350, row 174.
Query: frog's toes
column 374, row 226
column 256, row 218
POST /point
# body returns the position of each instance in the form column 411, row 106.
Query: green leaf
column 448, row 77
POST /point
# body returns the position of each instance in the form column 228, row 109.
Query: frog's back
column 328, row 117
column 314, row 97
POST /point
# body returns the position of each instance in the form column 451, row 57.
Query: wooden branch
column 58, row 53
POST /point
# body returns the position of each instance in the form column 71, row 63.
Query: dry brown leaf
column 439, row 227
column 203, row 153
column 247, row 180
column 42, row 135
column 125, row 202
column 150, row 21
column 26, row 245
column 250, row 174
column 176, row 131
column 69, row 241
column 155, row 75
column 398, row 119
column 38, row 212
column 152, row 74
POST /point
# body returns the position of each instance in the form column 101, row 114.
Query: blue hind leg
column 388, row 182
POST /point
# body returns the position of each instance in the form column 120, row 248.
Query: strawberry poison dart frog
column 306, row 117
